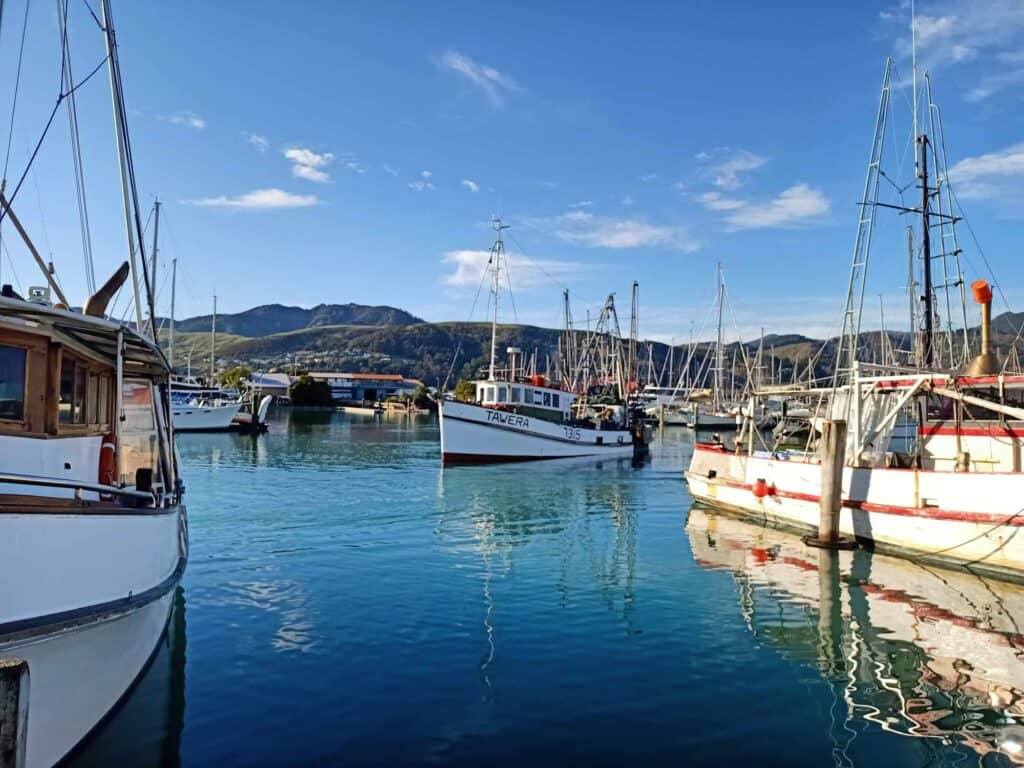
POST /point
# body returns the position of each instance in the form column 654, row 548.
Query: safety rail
column 77, row 485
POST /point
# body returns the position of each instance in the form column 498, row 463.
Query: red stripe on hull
column 484, row 458
column 991, row 430
column 933, row 513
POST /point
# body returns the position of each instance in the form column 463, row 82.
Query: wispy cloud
column 188, row 119
column 627, row 200
column 647, row 178
column 582, row 204
column 952, row 32
column 469, row 267
column 989, row 175
column 309, row 165
column 584, row 228
column 725, row 167
column 471, row 185
column 261, row 143
column 389, row 170
column 423, row 183
column 258, row 199
column 797, row 205
column 493, row 84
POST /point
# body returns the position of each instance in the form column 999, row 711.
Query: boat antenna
column 495, row 264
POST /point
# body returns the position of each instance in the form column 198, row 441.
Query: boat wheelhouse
column 93, row 534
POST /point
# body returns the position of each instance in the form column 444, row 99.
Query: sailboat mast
column 496, row 253
column 119, row 134
column 156, row 236
column 174, row 285
column 213, row 340
column 719, row 352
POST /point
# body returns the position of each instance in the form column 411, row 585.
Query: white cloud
column 189, row 119
column 258, row 199
column 389, row 170
column 309, row 165
column 796, row 205
column 471, row 185
column 582, row 204
column 470, row 267
column 423, row 183
column 584, row 228
column 989, row 174
column 494, row 84
column 261, row 143
column 646, row 178
column 725, row 167
column 309, row 173
column 627, row 200
column 714, row 201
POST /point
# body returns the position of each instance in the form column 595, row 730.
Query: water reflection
column 920, row 652
column 152, row 717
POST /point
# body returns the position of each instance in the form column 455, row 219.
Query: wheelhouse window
column 554, row 401
column 72, row 391
column 502, row 394
column 12, row 383
column 515, row 394
column 547, row 399
column 138, row 446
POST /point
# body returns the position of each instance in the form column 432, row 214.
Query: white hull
column 964, row 518
column 699, row 420
column 86, row 598
column 204, row 418
column 474, row 434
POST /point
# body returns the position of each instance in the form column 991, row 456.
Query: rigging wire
column 17, row 87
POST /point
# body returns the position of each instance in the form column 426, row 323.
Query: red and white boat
column 956, row 493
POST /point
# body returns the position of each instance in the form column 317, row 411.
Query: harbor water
column 349, row 602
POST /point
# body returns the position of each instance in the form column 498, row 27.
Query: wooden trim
column 54, row 356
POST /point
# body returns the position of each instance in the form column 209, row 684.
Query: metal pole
column 213, row 340
column 119, row 131
column 174, row 284
column 926, row 254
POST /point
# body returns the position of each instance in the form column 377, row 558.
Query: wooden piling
column 833, row 459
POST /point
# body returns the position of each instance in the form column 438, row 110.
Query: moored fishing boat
column 514, row 416
column 954, row 493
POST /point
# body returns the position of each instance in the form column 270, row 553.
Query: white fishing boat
column 518, row 417
column 93, row 531
column 956, row 493
column 200, row 415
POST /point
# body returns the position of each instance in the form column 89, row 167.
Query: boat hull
column 471, row 434
column 87, row 597
column 946, row 517
column 204, row 418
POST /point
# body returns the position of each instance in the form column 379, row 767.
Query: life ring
column 108, row 460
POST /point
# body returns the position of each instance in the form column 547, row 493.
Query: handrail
column 75, row 485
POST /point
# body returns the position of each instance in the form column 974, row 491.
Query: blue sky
column 329, row 152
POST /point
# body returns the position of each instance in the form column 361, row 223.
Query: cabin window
column 547, row 399
column 515, row 394
column 527, row 396
column 554, row 400
column 502, row 394
column 490, row 395
column 73, row 377
column 12, row 383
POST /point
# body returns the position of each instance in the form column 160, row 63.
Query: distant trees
column 234, row 376
column 306, row 390
column 465, row 391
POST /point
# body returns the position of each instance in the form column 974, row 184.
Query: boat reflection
column 914, row 650
column 148, row 723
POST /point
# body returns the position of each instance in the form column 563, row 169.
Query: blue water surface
column 349, row 602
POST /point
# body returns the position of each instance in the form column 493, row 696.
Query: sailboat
column 518, row 417
column 201, row 409
column 93, row 530
column 717, row 414
column 954, row 494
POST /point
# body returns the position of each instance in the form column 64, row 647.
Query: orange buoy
column 760, row 488
column 108, row 460
column 982, row 291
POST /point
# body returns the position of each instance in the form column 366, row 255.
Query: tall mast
column 122, row 156
column 719, row 352
column 213, row 339
column 926, row 255
column 174, row 283
column 156, row 236
column 496, row 254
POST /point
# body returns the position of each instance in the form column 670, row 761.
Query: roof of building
column 358, row 376
column 270, row 380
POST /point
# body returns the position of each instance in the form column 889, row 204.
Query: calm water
column 347, row 602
